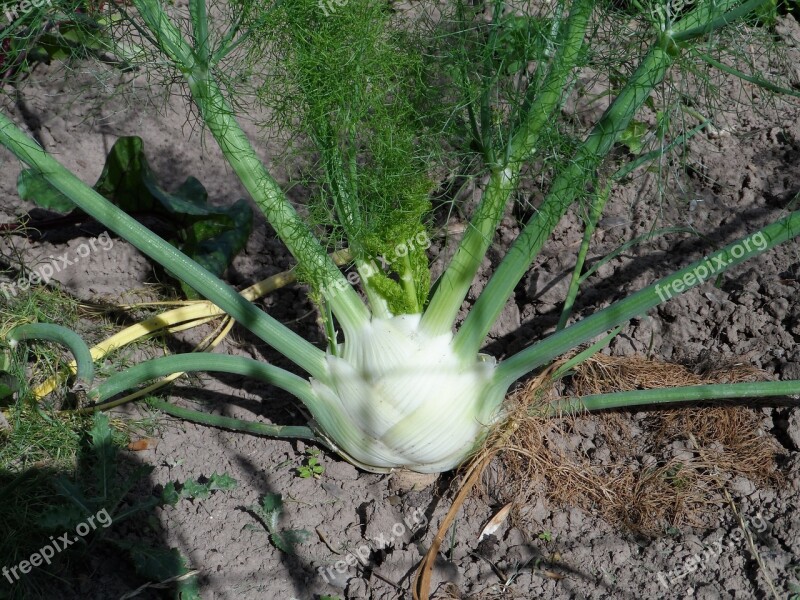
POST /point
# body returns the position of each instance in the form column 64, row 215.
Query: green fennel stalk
column 381, row 393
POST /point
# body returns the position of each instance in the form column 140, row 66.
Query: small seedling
column 312, row 468
column 269, row 513
column 546, row 536
column 195, row 488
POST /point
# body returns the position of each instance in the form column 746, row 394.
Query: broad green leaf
column 194, row 489
column 34, row 188
column 211, row 235
column 61, row 517
column 170, row 495
column 272, row 503
column 270, row 511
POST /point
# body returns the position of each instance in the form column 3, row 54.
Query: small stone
column 742, row 486
column 340, row 471
column 405, row 481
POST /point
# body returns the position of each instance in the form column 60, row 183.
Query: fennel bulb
column 396, row 396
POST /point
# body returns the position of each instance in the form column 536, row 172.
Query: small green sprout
column 312, row 468
column 546, row 536
column 269, row 513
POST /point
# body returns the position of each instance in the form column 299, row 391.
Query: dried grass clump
column 665, row 469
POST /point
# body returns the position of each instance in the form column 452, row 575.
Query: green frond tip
column 396, row 242
column 362, row 80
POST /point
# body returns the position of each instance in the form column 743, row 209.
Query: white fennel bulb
column 396, row 397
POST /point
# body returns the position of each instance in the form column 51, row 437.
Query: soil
column 741, row 177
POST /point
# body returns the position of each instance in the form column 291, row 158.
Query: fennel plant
column 402, row 383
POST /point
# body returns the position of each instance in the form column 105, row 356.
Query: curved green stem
column 457, row 279
column 63, row 336
column 677, row 395
column 767, row 85
column 166, row 365
column 620, row 312
column 218, row 116
column 274, row 333
column 201, row 361
column 278, row 431
column 571, row 182
column 711, row 16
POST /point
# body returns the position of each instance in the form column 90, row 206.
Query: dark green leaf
column 221, row 482
column 105, row 454
column 195, row 489
column 269, row 511
column 211, row 235
column 170, row 495
column 272, row 503
column 70, row 491
column 33, row 187
column 61, row 518
column 158, row 564
column 126, row 175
